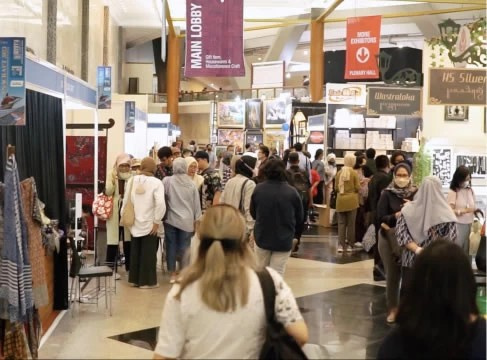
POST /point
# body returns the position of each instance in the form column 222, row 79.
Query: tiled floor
column 344, row 309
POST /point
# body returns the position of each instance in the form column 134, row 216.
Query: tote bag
column 103, row 206
column 128, row 213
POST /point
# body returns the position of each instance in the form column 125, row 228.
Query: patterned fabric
column 15, row 270
column 162, row 172
column 34, row 233
column 226, row 175
column 15, row 345
column 211, row 185
column 446, row 230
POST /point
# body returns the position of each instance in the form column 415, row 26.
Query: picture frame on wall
column 219, row 150
column 456, row 113
column 277, row 112
column 231, row 114
column 476, row 164
column 253, row 114
column 443, row 164
column 255, row 138
column 231, row 137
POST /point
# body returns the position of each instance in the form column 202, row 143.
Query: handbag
column 127, row 218
column 103, row 206
column 369, row 239
column 333, row 199
column 278, row 343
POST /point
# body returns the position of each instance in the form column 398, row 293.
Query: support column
column 106, row 29
column 317, row 61
column 172, row 78
column 51, row 31
column 85, row 32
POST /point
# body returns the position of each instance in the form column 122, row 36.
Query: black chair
column 78, row 272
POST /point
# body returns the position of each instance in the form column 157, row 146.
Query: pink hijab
column 122, row 159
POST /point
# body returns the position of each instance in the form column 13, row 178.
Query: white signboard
column 350, row 94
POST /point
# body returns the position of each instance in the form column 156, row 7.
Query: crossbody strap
column 241, row 204
column 269, row 293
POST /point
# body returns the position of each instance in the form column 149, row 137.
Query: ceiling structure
column 405, row 23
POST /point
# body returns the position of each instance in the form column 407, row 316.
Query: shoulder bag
column 127, row 218
column 278, row 343
column 241, row 204
column 103, row 206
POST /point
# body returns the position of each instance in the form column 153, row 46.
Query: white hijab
column 429, row 208
column 346, row 172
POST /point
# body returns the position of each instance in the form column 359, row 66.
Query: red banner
column 214, row 38
column 363, row 45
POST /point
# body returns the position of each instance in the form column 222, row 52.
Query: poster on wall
column 231, row 114
column 277, row 112
column 104, row 83
column 129, row 116
column 211, row 51
column 253, row 114
column 442, row 158
column 363, row 45
column 275, row 139
column 346, row 94
column 12, row 81
column 231, row 137
column 254, row 138
column 457, row 86
column 477, row 164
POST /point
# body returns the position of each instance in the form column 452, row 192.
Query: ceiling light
column 305, row 52
column 260, row 59
column 288, row 75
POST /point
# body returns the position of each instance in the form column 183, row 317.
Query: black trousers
column 144, row 260
column 318, row 199
column 112, row 251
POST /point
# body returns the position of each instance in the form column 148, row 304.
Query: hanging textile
column 15, row 270
column 33, row 220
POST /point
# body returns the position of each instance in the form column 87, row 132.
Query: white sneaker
column 358, row 245
column 149, row 286
column 117, row 276
column 340, row 249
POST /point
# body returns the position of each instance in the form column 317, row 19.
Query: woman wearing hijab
column 425, row 219
column 240, row 188
column 192, row 165
column 184, row 209
column 347, row 186
column 147, row 196
column 330, row 173
column 391, row 201
column 115, row 186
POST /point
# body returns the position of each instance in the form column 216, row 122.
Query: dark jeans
column 300, row 227
column 360, row 224
column 177, row 243
column 406, row 276
column 112, row 251
column 143, row 260
column 392, row 268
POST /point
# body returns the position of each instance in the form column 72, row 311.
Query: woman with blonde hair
column 347, row 186
column 216, row 310
column 193, row 172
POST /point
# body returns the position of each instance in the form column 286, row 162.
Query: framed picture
column 442, row 159
column 277, row 112
column 456, row 113
column 477, row 164
column 231, row 137
column 275, row 139
column 255, row 138
column 220, row 149
column 253, row 114
column 231, row 114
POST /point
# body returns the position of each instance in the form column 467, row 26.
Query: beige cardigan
column 111, row 189
column 349, row 200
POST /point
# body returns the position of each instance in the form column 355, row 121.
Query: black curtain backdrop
column 39, row 153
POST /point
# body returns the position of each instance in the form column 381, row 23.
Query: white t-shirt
column 190, row 329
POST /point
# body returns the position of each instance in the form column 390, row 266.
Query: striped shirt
column 445, row 230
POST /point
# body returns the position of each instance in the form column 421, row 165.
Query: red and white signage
column 363, row 45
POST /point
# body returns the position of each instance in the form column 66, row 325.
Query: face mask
column 124, row 175
column 401, row 182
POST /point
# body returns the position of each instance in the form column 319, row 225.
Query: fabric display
column 23, row 284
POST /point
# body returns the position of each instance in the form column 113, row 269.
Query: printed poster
column 214, row 38
column 12, row 81
column 442, row 159
column 363, row 45
column 104, row 81
column 129, row 116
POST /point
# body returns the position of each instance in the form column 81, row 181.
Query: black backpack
column 278, row 343
column 301, row 184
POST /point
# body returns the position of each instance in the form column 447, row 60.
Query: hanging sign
column 363, row 45
column 214, row 38
column 457, row 86
column 104, row 82
column 393, row 101
column 12, row 81
column 129, row 116
column 351, row 94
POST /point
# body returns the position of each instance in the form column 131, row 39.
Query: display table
column 324, row 215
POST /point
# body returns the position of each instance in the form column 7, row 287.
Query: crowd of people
column 246, row 210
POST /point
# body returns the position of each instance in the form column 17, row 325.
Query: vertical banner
column 163, row 32
column 129, row 116
column 363, row 45
column 104, row 82
column 12, row 81
column 214, row 38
